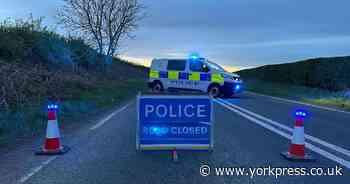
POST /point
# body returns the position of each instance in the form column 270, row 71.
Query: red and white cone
column 296, row 150
column 175, row 156
column 52, row 145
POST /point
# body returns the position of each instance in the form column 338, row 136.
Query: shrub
column 325, row 73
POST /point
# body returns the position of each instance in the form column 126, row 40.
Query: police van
column 193, row 74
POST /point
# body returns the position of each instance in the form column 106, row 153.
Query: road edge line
column 310, row 146
column 108, row 117
column 331, row 146
column 37, row 169
column 298, row 102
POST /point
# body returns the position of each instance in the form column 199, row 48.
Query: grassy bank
column 31, row 120
column 38, row 65
column 324, row 73
column 306, row 94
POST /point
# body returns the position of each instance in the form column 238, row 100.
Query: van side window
column 198, row 66
column 177, row 65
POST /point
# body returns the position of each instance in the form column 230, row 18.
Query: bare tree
column 103, row 23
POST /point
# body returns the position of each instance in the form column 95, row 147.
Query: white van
column 194, row 74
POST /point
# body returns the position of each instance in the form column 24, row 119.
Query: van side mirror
column 205, row 68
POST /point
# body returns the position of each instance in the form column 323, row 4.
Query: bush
column 31, row 42
column 21, row 84
column 19, row 36
column 38, row 66
column 325, row 73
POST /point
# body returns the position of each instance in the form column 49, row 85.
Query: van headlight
column 238, row 87
column 236, row 78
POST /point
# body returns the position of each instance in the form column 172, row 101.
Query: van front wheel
column 157, row 87
column 214, row 90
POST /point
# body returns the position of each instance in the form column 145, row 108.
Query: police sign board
column 169, row 122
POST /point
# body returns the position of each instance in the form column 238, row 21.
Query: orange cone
column 52, row 145
column 296, row 150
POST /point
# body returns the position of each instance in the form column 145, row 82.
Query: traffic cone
column 52, row 145
column 175, row 156
column 296, row 150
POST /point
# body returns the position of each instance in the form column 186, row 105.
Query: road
column 250, row 131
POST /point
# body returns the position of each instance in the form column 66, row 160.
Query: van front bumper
column 231, row 88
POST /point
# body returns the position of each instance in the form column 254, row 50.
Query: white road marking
column 298, row 102
column 313, row 148
column 103, row 121
column 307, row 136
column 48, row 161
column 36, row 169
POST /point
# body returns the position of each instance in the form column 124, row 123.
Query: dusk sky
column 234, row 33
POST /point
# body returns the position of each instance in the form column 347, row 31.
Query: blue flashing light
column 194, row 56
column 52, row 107
column 237, row 87
column 300, row 113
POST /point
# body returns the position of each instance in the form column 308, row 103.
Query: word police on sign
column 186, row 111
column 168, row 122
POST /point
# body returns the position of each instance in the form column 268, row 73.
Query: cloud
column 240, row 33
column 295, row 42
column 137, row 60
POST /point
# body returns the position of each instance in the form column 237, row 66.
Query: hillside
column 38, row 66
column 325, row 73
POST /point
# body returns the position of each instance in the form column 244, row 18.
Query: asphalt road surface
column 250, row 132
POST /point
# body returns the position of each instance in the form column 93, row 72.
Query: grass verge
column 338, row 102
column 314, row 96
column 83, row 104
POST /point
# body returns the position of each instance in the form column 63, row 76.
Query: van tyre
column 214, row 90
column 157, row 87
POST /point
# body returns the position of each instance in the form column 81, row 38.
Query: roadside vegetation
column 340, row 99
column 38, row 66
column 331, row 74
column 320, row 81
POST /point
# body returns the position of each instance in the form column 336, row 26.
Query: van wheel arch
column 215, row 86
column 155, row 83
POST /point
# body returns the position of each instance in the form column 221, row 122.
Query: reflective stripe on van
column 173, row 75
column 194, row 76
column 216, row 77
column 154, row 74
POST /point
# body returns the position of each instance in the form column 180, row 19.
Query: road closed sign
column 169, row 122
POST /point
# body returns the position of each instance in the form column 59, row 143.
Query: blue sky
column 237, row 33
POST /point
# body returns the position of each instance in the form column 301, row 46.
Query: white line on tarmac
column 103, row 121
column 48, row 161
column 298, row 102
column 307, row 136
column 37, row 169
column 316, row 149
